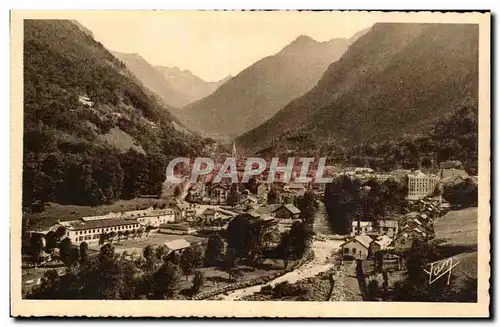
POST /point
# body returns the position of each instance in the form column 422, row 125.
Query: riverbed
column 323, row 249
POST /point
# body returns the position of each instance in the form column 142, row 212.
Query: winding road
column 323, row 249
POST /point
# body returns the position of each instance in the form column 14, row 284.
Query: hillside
column 186, row 83
column 457, row 233
column 153, row 79
column 395, row 79
column 91, row 133
column 257, row 93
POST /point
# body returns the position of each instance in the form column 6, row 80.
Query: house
column 294, row 187
column 405, row 238
column 388, row 227
column 177, row 229
column 411, row 215
column 363, row 170
column 365, row 227
column 184, row 212
column 382, row 177
column 358, row 247
column 381, row 243
column 451, row 181
column 268, row 209
column 262, row 189
column 445, row 173
column 196, row 192
column 218, row 193
column 412, row 223
column 177, row 246
column 418, row 231
column 150, row 216
column 250, row 201
column 91, row 230
column 421, row 185
column 209, row 215
column 287, row 211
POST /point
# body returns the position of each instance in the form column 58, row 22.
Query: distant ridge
column 191, row 86
column 395, row 79
column 258, row 92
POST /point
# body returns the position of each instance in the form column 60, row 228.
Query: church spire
column 234, row 149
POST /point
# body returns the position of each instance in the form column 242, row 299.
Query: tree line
column 98, row 175
column 349, row 199
column 156, row 274
column 64, row 159
column 453, row 137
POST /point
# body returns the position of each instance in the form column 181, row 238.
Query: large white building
column 90, row 229
column 421, row 185
column 151, row 216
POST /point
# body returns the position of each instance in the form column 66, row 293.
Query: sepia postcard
column 250, row 164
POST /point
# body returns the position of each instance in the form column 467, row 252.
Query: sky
column 212, row 44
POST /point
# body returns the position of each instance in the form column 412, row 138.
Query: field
column 459, row 232
column 54, row 212
column 458, row 228
column 139, row 244
column 218, row 278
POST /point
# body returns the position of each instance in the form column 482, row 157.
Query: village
column 202, row 211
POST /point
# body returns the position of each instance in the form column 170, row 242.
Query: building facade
column 92, row 231
column 388, row 227
column 218, row 194
column 184, row 212
column 151, row 217
column 421, row 185
column 287, row 211
column 357, row 248
column 365, row 227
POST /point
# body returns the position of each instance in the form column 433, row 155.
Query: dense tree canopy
column 65, row 160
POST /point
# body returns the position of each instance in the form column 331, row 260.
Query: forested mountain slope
column 92, row 134
column 395, row 79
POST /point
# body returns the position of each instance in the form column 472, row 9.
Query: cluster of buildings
column 368, row 237
column 420, row 183
column 180, row 218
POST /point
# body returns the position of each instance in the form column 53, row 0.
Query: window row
column 109, row 229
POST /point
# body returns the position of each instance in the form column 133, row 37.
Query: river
column 323, row 250
column 321, row 225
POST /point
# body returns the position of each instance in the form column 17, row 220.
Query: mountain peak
column 303, row 40
column 263, row 88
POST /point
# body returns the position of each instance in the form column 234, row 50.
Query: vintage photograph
column 245, row 158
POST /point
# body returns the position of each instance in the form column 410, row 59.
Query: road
column 323, row 249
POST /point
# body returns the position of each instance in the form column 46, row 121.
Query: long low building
column 90, row 231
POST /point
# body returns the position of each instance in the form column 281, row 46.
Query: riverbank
column 323, row 261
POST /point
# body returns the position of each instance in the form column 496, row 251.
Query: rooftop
column 388, row 223
column 93, row 224
column 362, row 223
column 177, row 244
column 383, row 241
column 364, row 240
column 298, row 186
column 291, row 208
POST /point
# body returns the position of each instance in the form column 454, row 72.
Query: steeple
column 234, row 149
